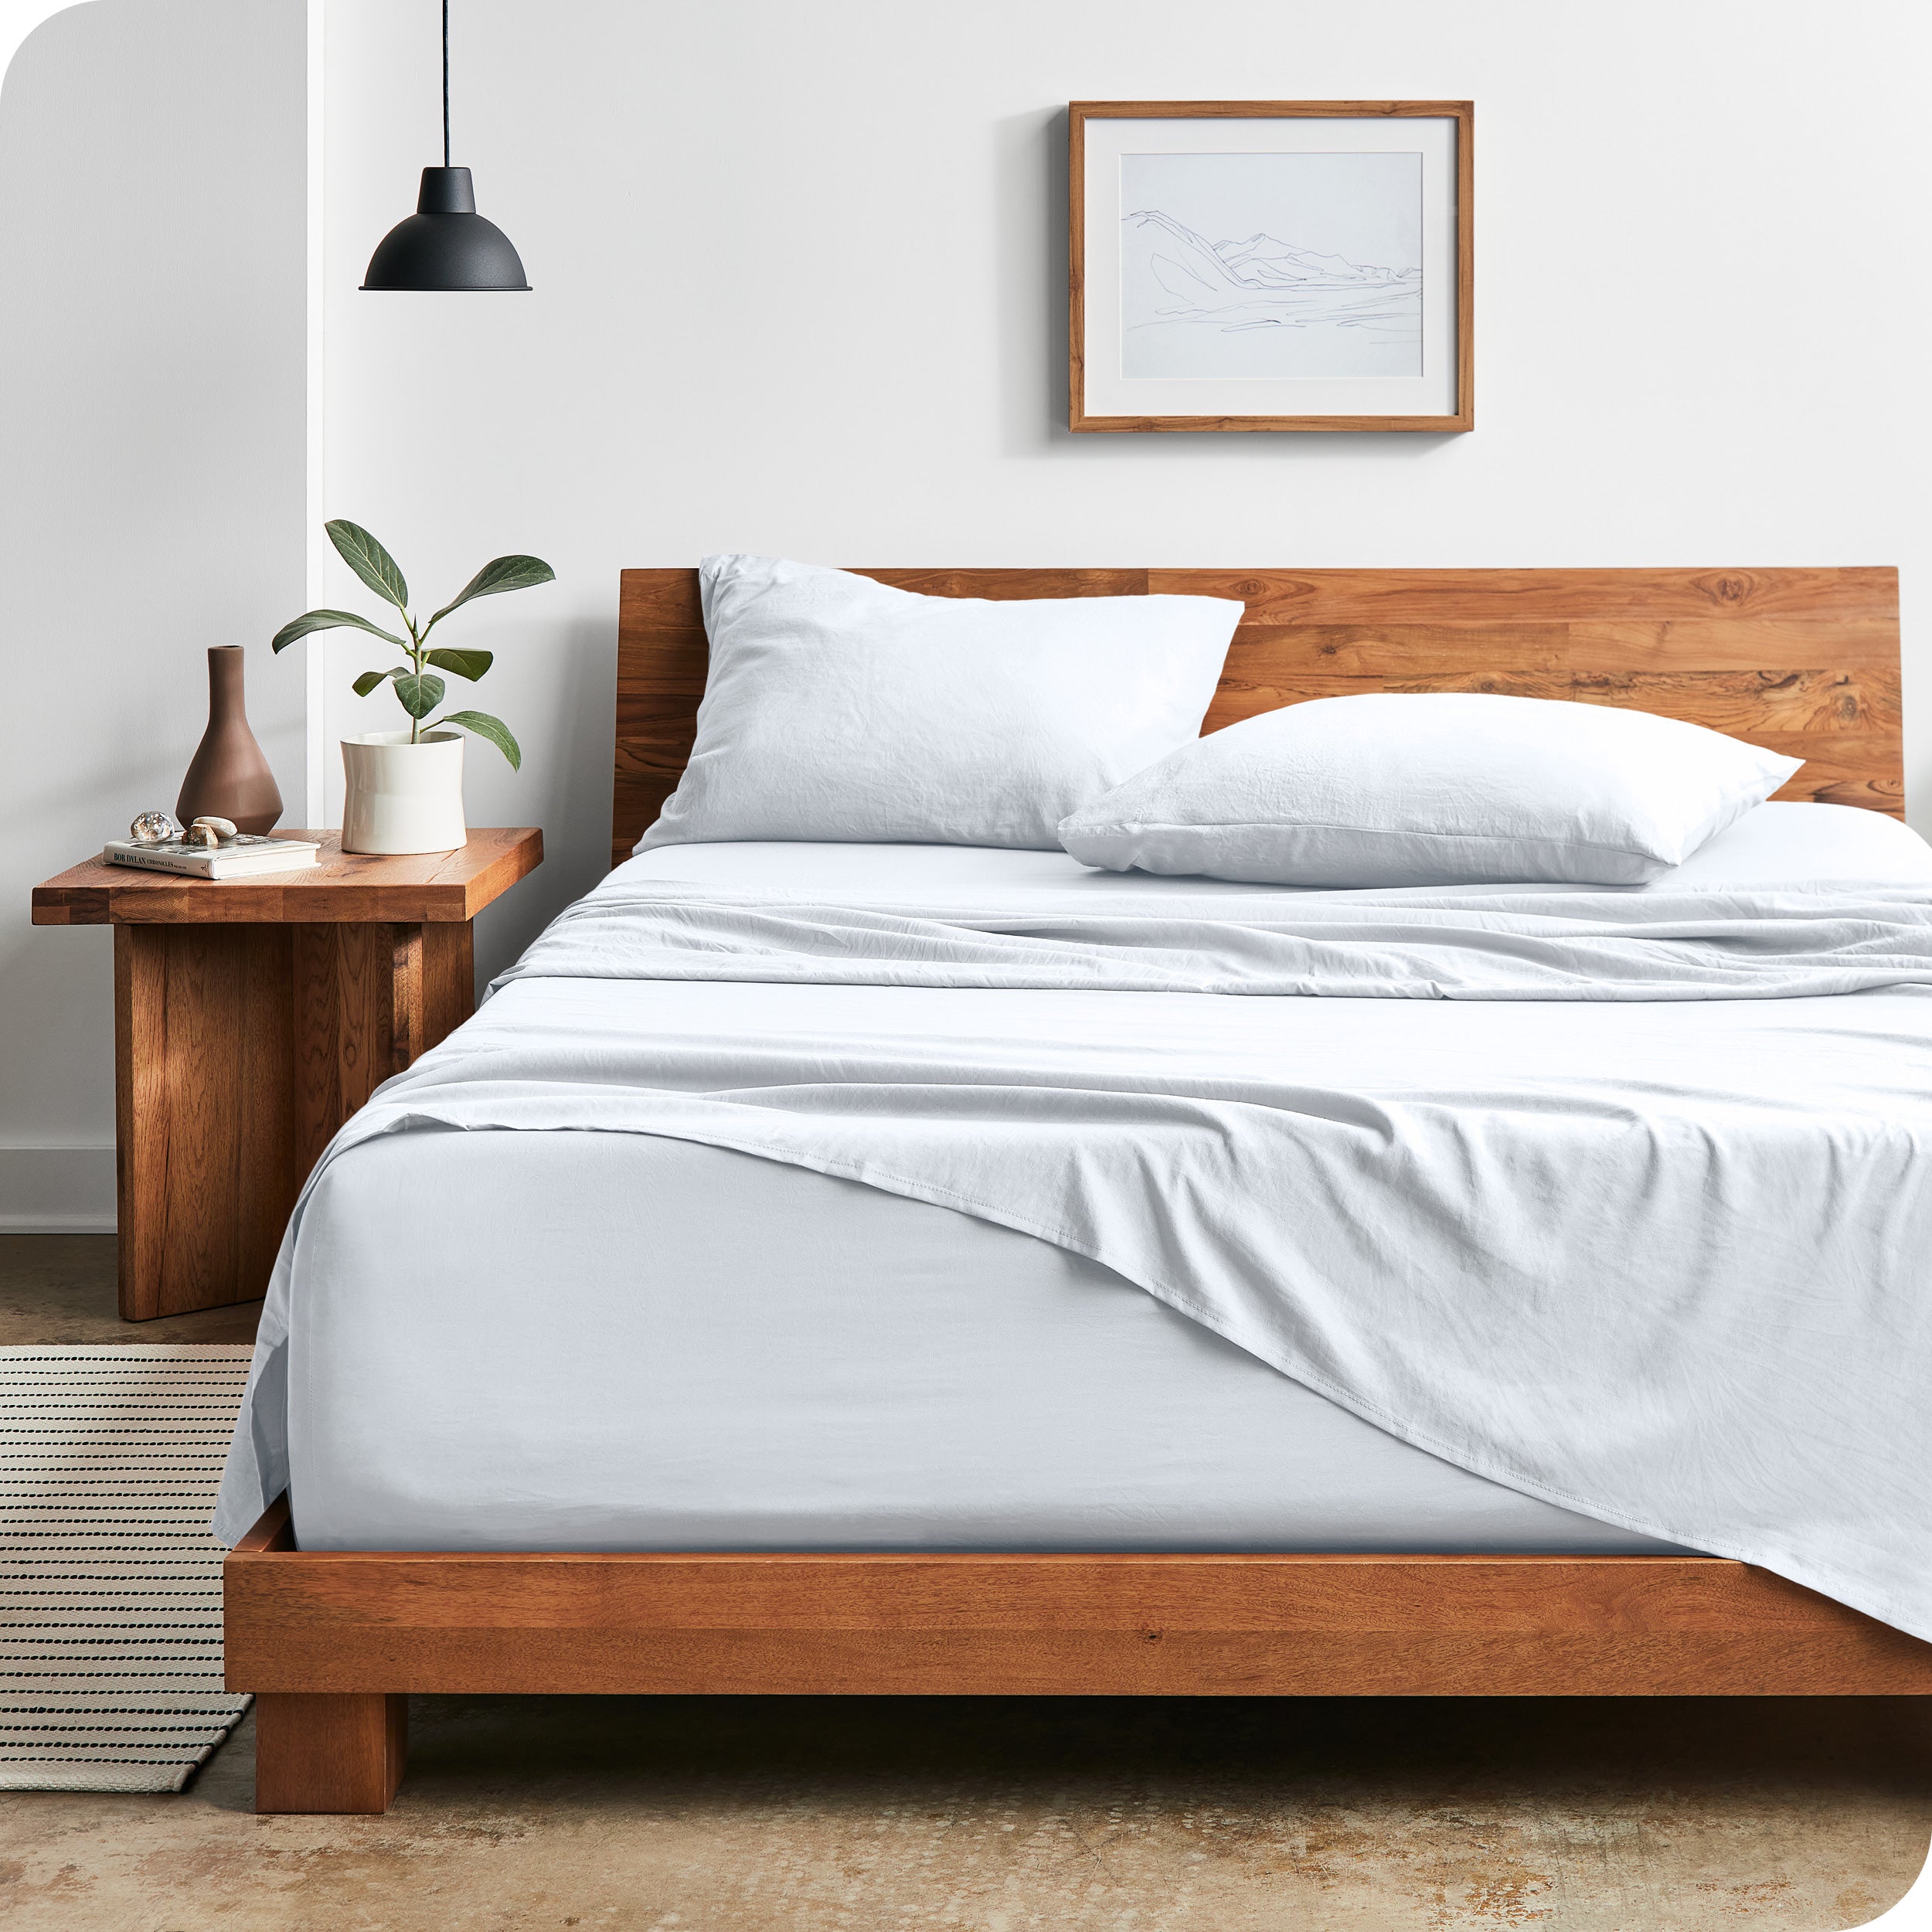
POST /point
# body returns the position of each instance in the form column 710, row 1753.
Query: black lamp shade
column 445, row 245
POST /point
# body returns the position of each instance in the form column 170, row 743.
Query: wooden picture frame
column 1170, row 328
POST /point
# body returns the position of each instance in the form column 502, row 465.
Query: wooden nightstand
column 252, row 1017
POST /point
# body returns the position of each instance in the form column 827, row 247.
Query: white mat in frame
column 111, row 1633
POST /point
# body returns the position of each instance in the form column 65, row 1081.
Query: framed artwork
column 1271, row 265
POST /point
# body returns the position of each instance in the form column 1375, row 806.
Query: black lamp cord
column 446, row 83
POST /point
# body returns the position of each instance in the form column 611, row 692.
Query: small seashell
column 154, row 828
column 211, row 831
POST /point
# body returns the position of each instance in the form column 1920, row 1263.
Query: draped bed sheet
column 1614, row 1199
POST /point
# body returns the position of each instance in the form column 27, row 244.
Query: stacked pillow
column 1447, row 789
column 838, row 708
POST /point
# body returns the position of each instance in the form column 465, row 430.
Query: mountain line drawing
column 1172, row 279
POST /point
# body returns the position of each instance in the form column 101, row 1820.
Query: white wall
column 799, row 277
column 151, row 436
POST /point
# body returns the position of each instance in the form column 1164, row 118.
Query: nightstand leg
column 239, row 1050
column 368, row 1000
column 203, row 1023
column 444, row 982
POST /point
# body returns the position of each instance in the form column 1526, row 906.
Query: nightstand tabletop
column 346, row 889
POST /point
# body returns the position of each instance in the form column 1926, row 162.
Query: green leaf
column 500, row 574
column 369, row 561
column 465, row 664
column 420, row 696
column 485, row 726
column 369, row 680
column 326, row 620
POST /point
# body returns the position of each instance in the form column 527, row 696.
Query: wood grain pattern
column 275, row 1529
column 203, row 1038
column 348, row 1631
column 938, row 1662
column 1066, row 1625
column 1827, row 595
column 320, row 1753
column 1080, row 112
column 368, row 1000
column 1801, row 661
column 442, row 988
column 344, row 888
column 343, row 1037
column 244, row 1036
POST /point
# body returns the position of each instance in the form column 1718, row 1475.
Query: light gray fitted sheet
column 544, row 1339
column 783, row 1359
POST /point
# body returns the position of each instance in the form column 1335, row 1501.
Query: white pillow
column 839, row 709
column 1428, row 789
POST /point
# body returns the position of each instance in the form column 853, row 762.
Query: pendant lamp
column 446, row 244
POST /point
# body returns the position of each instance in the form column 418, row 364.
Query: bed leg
column 328, row 1752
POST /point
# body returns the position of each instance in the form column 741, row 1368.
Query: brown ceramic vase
column 229, row 778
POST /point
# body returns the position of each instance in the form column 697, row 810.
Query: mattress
column 604, row 1341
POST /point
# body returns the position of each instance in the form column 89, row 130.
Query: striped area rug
column 111, row 1672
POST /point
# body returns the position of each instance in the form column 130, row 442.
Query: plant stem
column 415, row 659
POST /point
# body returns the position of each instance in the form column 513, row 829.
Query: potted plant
column 406, row 788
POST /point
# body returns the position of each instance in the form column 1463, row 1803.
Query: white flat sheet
column 1355, row 1039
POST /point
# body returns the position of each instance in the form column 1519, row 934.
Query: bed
column 893, row 1446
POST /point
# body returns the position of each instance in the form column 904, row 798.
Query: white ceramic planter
column 403, row 796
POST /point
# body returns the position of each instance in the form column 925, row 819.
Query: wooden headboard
column 1803, row 661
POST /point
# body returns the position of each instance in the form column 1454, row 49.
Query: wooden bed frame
column 1804, row 660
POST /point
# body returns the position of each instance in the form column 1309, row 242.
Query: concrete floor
column 779, row 1815
column 60, row 1288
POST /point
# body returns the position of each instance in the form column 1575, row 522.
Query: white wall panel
column 151, row 303
column 799, row 275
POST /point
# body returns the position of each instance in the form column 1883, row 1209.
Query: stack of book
column 241, row 857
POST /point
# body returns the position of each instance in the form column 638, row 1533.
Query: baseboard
column 56, row 1190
